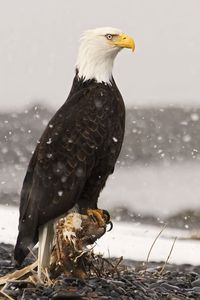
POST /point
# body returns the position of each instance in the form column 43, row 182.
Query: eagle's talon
column 106, row 216
column 111, row 226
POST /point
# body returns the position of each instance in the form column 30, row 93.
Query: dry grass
column 168, row 257
column 17, row 274
column 5, row 295
column 151, row 248
column 102, row 267
column 93, row 266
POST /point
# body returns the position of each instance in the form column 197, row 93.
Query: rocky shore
column 114, row 279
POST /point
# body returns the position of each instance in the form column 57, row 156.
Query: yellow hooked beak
column 124, row 41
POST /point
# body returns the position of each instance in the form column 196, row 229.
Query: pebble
column 169, row 287
column 196, row 289
column 153, row 269
column 155, row 285
column 177, row 282
column 66, row 296
column 194, row 274
column 196, row 283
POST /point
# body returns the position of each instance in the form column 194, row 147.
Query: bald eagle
column 79, row 147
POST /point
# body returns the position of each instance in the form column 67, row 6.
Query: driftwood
column 18, row 274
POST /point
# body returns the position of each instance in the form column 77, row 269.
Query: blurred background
column 157, row 178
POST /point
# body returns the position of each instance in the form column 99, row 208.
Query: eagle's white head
column 98, row 50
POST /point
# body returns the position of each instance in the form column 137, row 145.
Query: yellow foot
column 99, row 216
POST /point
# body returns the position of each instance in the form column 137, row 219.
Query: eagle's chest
column 116, row 136
column 116, row 128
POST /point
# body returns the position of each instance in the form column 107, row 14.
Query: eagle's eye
column 109, row 36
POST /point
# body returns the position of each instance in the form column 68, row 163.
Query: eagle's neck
column 95, row 64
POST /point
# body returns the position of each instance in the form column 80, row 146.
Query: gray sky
column 39, row 41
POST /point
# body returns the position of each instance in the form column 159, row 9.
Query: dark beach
column 125, row 280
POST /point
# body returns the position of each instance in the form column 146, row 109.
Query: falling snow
column 60, row 193
column 186, row 138
column 194, row 117
column 98, row 103
column 49, row 141
column 45, row 122
column 115, row 139
column 154, row 139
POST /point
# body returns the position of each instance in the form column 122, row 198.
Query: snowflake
column 60, row 193
column 115, row 139
column 194, row 117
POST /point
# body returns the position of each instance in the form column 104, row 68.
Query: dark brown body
column 76, row 154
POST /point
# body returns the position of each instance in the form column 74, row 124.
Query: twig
column 108, row 253
column 33, row 254
column 147, row 260
column 108, row 262
column 18, row 274
column 6, row 295
column 104, row 266
column 117, row 264
column 32, row 280
column 170, row 252
column 49, row 281
column 44, row 271
column 83, row 253
column 95, row 270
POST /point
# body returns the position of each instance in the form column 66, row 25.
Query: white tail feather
column 46, row 235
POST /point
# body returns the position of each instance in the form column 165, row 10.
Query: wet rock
column 196, row 289
column 177, row 282
column 196, row 283
column 169, row 287
column 155, row 285
column 66, row 296
column 194, row 275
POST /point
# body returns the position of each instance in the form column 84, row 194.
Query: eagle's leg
column 90, row 195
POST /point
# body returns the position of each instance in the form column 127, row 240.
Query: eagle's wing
column 62, row 163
